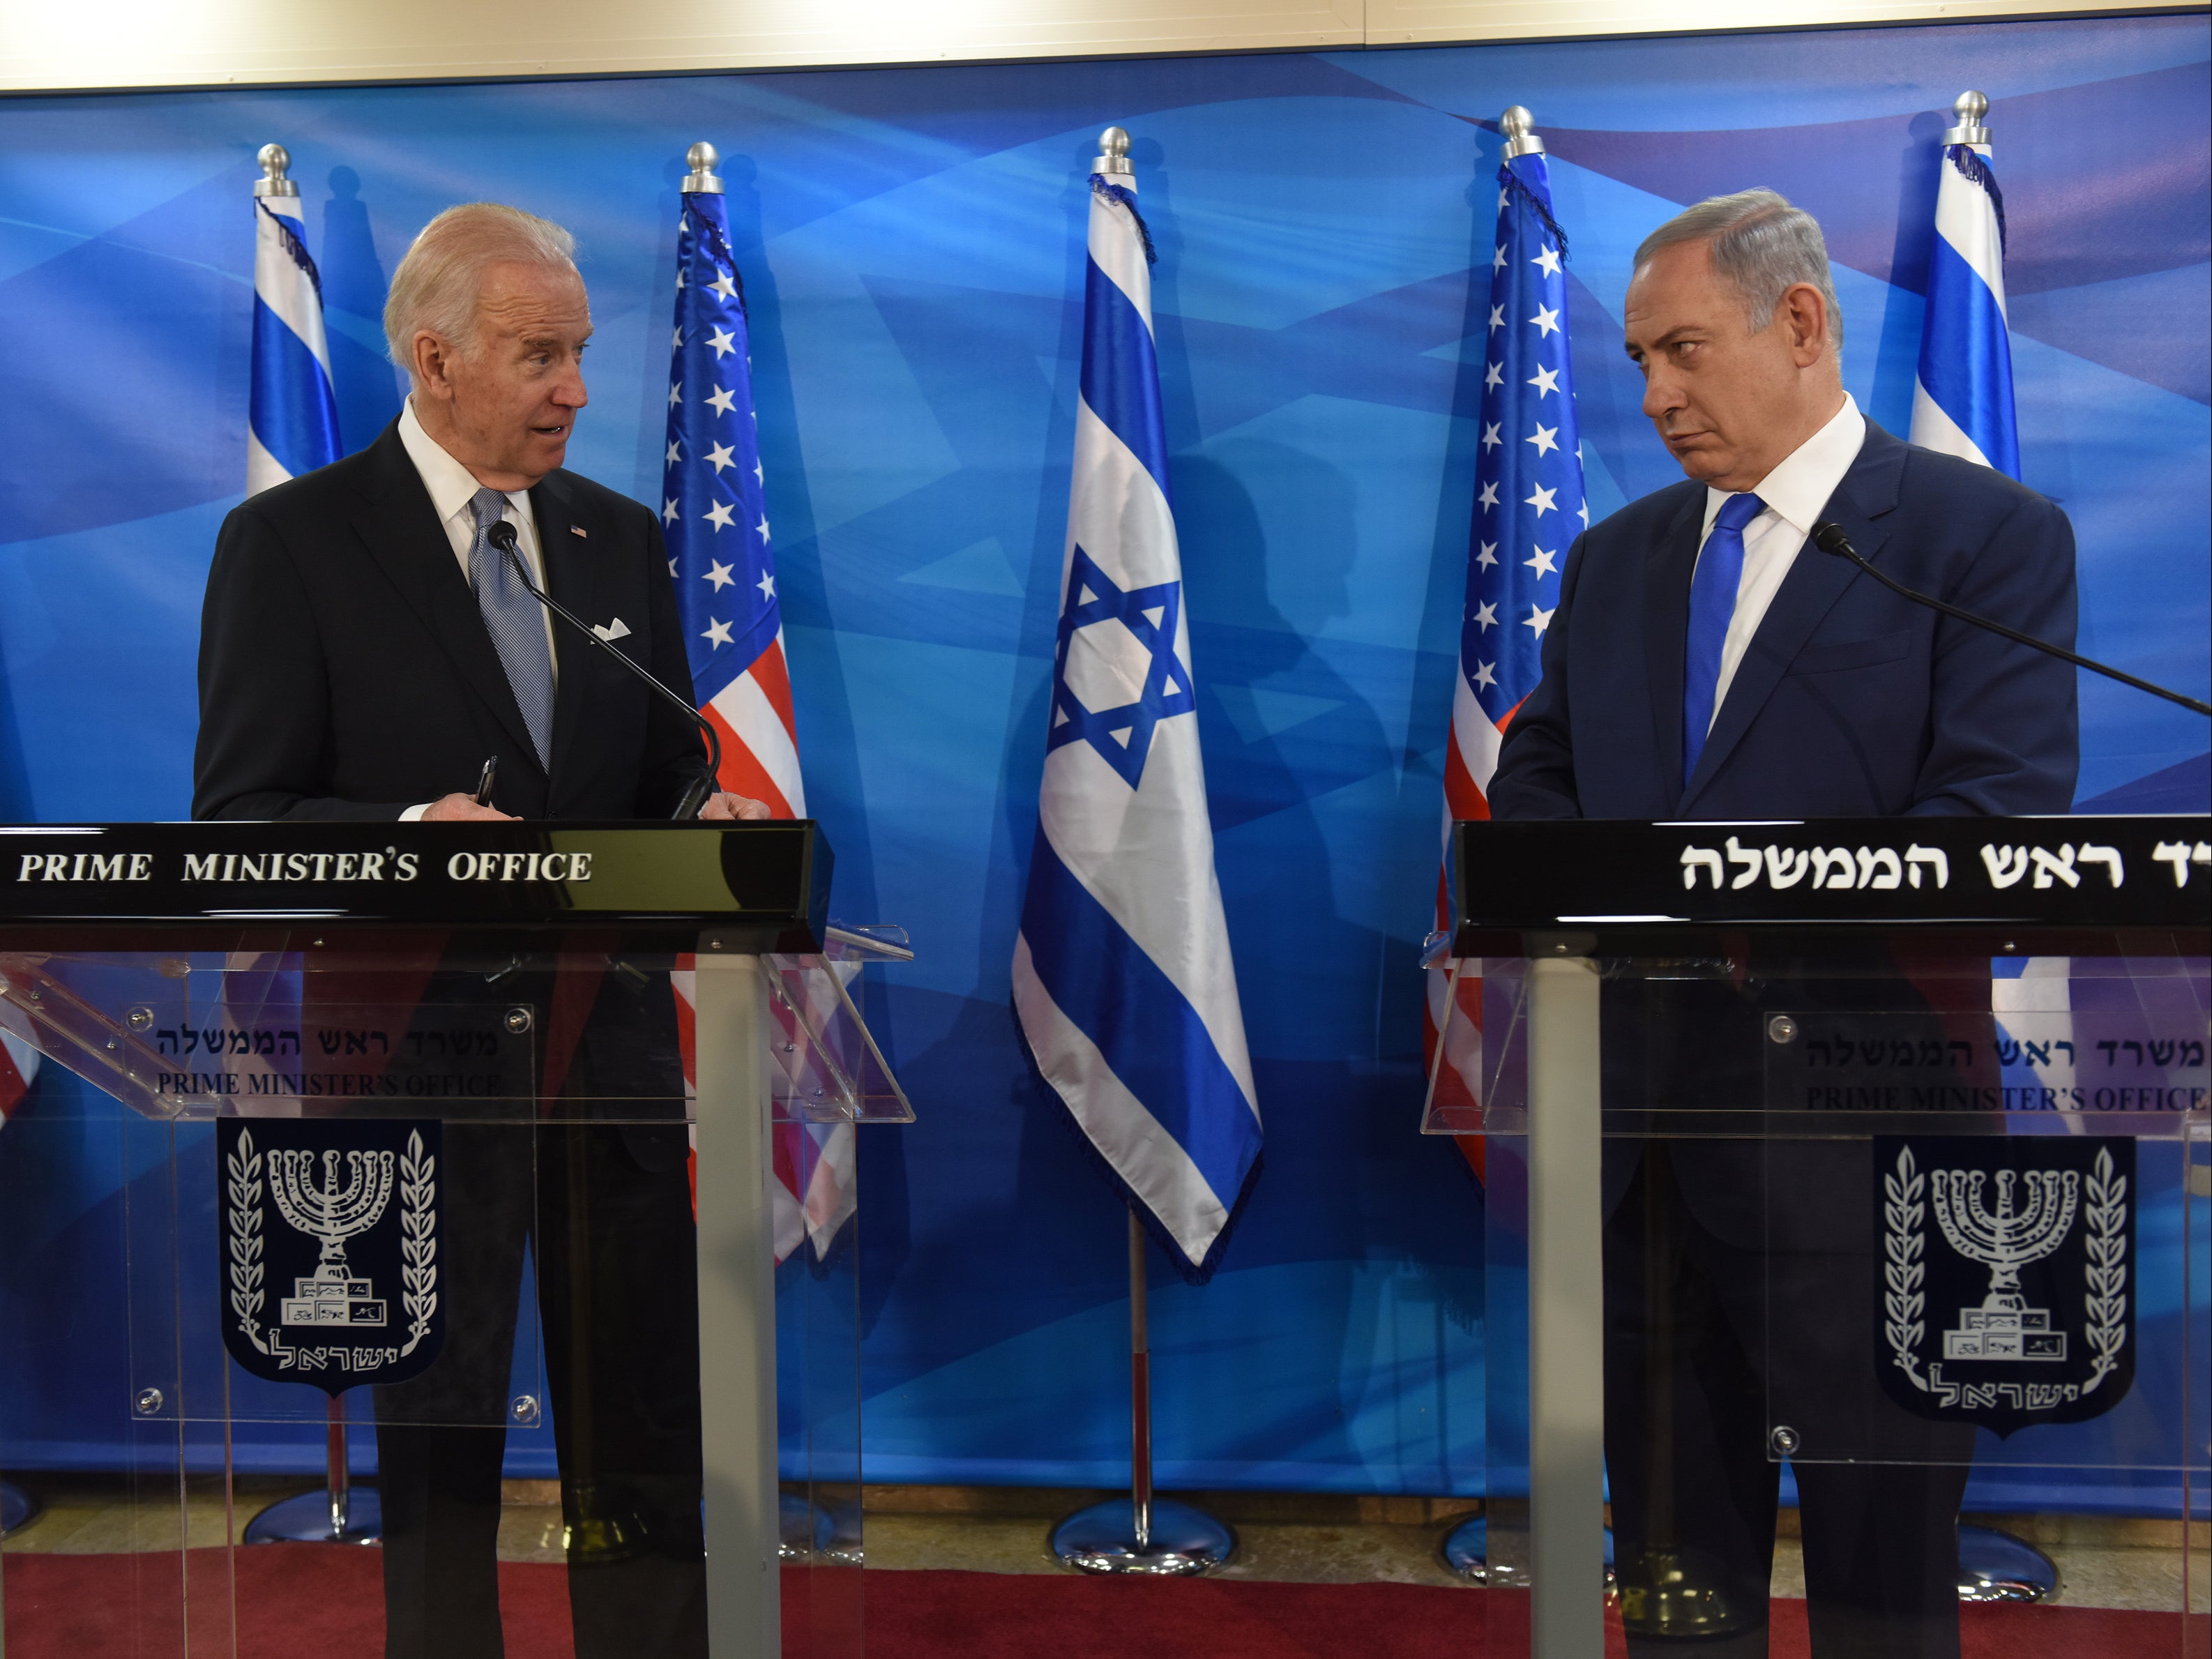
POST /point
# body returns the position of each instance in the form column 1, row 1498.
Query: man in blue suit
column 1706, row 661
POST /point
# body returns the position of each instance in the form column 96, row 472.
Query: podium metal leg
column 1144, row 1533
column 1566, row 1333
column 336, row 1515
column 737, row 1313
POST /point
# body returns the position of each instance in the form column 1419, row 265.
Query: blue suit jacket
column 1851, row 701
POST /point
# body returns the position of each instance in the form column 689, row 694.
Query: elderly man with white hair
column 1706, row 660
column 365, row 651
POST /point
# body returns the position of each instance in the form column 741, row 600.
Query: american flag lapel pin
column 576, row 530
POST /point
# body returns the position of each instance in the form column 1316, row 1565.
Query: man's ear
column 432, row 358
column 1805, row 312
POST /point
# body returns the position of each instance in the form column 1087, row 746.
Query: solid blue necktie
column 1712, row 603
column 516, row 625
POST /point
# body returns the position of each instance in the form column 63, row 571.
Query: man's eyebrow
column 1682, row 330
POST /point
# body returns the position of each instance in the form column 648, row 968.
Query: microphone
column 1829, row 537
column 502, row 536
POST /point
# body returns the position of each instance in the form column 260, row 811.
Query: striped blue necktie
column 516, row 625
column 1712, row 603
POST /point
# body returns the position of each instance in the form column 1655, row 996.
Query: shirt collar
column 452, row 486
column 1797, row 490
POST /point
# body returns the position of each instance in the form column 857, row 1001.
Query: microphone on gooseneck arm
column 696, row 797
column 1829, row 537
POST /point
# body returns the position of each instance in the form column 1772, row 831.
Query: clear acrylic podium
column 364, row 1085
column 1801, row 1181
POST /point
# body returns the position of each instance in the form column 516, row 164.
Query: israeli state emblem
column 2003, row 1264
column 330, row 1248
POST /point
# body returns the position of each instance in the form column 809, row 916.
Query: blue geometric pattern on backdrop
column 910, row 240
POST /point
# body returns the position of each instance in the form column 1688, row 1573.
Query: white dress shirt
column 452, row 486
column 1794, row 493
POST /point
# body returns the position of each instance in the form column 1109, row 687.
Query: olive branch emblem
column 243, row 1190
column 418, row 1242
column 1905, row 1210
column 2106, row 1219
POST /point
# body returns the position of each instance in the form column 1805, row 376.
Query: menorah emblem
column 370, row 1184
column 333, row 1213
column 2004, row 1240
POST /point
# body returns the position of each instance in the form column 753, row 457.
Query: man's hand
column 458, row 808
column 735, row 806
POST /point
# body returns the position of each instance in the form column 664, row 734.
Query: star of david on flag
column 1529, row 509
column 1148, row 617
column 1122, row 980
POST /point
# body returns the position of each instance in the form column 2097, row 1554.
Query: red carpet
column 973, row 1615
column 326, row 1600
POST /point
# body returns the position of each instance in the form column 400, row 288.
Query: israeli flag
column 1122, row 979
column 1962, row 397
column 1962, row 405
column 293, row 424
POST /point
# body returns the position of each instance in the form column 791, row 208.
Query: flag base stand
column 1181, row 1541
column 1141, row 1533
column 336, row 1515
column 806, row 1531
column 1466, row 1552
column 18, row 1509
column 317, row 1517
column 1996, row 1566
column 1466, row 1549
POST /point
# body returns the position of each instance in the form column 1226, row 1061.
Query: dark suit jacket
column 1851, row 701
column 345, row 671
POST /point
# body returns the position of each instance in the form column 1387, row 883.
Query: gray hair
column 1763, row 247
column 435, row 289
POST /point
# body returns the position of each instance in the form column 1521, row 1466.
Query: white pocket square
column 617, row 629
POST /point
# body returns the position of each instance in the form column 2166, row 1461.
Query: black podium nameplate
column 757, row 886
column 1602, row 875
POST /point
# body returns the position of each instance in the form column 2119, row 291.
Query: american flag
column 19, row 1066
column 714, row 516
column 1529, row 509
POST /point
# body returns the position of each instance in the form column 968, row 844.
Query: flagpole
column 336, row 1515
column 1162, row 1536
column 1140, row 1391
column 1124, row 578
column 1993, row 1565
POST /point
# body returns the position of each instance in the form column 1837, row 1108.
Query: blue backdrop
column 912, row 246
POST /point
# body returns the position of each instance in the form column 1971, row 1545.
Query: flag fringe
column 718, row 246
column 1125, row 198
column 1972, row 164
column 293, row 246
column 1511, row 183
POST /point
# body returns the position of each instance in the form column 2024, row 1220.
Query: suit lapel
column 1816, row 580
column 395, row 520
column 1666, row 625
